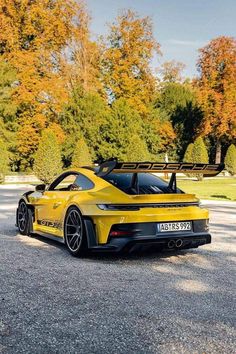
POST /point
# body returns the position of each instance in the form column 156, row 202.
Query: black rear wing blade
column 207, row 170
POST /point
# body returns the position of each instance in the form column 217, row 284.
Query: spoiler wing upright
column 207, row 170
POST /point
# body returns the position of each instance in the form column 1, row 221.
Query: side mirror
column 40, row 188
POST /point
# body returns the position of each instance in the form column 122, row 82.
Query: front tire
column 74, row 232
column 24, row 219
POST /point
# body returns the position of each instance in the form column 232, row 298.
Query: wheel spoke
column 76, row 241
column 22, row 216
column 73, row 219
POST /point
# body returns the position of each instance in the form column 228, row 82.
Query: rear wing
column 207, row 170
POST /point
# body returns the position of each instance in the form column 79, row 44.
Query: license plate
column 175, row 226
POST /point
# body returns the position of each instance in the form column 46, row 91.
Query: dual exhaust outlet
column 175, row 243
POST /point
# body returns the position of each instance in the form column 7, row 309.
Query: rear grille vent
column 145, row 205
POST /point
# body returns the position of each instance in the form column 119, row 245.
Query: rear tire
column 74, row 232
column 24, row 219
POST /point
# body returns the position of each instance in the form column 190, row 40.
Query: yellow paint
column 52, row 206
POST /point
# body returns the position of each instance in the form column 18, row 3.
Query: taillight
column 128, row 207
column 121, row 233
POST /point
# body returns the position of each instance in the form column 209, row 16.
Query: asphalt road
column 51, row 302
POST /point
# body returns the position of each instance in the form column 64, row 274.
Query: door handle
column 56, row 205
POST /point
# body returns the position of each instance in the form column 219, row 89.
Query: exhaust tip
column 179, row 243
column 171, row 244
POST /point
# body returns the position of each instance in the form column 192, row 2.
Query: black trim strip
column 145, row 205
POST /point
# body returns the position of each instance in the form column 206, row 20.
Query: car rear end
column 141, row 209
column 165, row 220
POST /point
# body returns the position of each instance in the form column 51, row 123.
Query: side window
column 83, row 183
column 65, row 184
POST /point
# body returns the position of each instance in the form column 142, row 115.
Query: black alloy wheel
column 74, row 232
column 24, row 219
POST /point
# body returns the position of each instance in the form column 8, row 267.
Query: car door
column 51, row 205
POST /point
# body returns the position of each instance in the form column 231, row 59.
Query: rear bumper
column 135, row 243
column 146, row 237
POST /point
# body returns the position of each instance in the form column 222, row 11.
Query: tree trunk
column 218, row 151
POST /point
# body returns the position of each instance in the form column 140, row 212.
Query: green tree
column 179, row 102
column 84, row 115
column 230, row 159
column 4, row 160
column 137, row 150
column 47, row 163
column 81, row 155
column 122, row 122
column 199, row 154
column 188, row 156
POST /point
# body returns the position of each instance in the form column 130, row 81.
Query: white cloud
column 187, row 43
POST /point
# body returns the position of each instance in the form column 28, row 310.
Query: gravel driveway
column 51, row 302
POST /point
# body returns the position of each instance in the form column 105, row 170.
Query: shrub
column 4, row 161
column 230, row 159
column 199, row 154
column 188, row 156
column 47, row 163
column 81, row 155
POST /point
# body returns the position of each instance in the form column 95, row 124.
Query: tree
column 137, row 150
column 81, row 155
column 171, row 71
column 188, row 156
column 4, row 160
column 47, row 163
column 115, row 133
column 230, row 160
column 7, row 81
column 158, row 133
column 199, row 154
column 126, row 60
column 217, row 90
column 33, row 36
column 84, row 67
column 179, row 103
column 83, row 115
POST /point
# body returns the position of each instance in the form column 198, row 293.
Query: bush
column 230, row 160
column 47, row 163
column 188, row 156
column 196, row 153
column 4, row 161
column 199, row 154
column 81, row 155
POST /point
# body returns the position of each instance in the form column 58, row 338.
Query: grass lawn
column 210, row 188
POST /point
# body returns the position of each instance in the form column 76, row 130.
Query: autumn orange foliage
column 32, row 40
column 217, row 89
column 130, row 48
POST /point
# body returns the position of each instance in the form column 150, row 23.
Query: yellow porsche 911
column 118, row 206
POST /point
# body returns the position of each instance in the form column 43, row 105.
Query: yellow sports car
column 118, row 206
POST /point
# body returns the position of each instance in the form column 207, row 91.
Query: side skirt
column 51, row 237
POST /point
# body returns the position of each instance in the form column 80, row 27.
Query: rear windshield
column 146, row 183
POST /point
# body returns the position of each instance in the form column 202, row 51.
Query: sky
column 180, row 26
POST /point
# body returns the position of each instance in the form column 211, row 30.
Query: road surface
column 51, row 302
